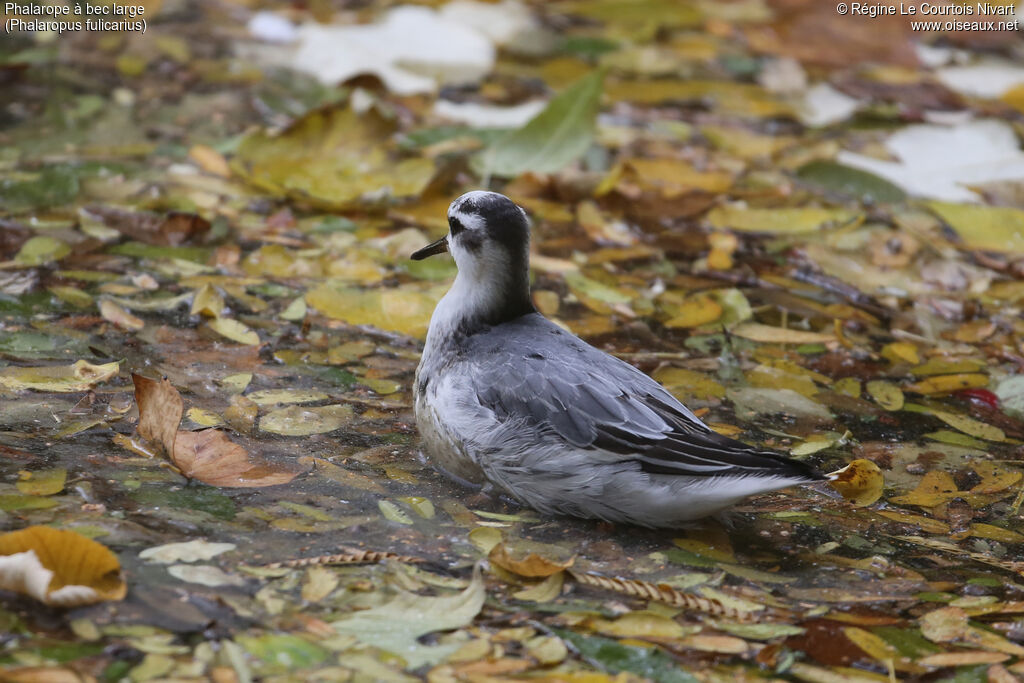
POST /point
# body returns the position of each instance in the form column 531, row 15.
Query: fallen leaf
column 767, row 334
column 396, row 626
column 528, row 564
column 543, row 591
column 945, row 384
column 776, row 221
column 79, row 376
column 42, row 482
column 187, row 551
column 59, row 568
column 212, row 458
column 886, row 394
column 120, row 317
column 935, row 488
column 861, row 482
column 235, row 331
column 552, row 139
column 304, row 421
column 160, row 411
column 333, row 157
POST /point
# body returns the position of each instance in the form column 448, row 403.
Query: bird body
column 504, row 396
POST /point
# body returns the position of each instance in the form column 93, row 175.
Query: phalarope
column 504, row 396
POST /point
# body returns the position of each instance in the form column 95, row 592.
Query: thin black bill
column 437, row 247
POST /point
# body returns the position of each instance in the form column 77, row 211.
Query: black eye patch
column 455, row 225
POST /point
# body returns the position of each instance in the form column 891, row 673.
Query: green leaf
column 992, row 228
column 649, row 662
column 284, row 652
column 397, row 625
column 552, row 139
column 52, row 186
column 835, row 177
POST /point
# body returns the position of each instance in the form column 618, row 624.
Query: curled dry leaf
column 861, row 482
column 160, row 410
column 209, row 455
column 212, row 458
column 59, row 568
column 532, row 565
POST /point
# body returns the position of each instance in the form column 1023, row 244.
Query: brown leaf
column 173, row 230
column 160, row 410
column 814, row 32
column 532, row 565
column 212, row 458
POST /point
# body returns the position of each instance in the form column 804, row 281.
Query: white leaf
column 189, row 551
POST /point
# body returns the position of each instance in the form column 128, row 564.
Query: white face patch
column 469, row 221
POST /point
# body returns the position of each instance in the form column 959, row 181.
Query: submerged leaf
column 397, row 625
column 212, row 458
column 79, row 376
column 304, row 421
column 528, row 564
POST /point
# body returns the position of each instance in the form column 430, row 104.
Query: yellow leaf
column 994, row 478
column 79, row 376
column 210, row 160
column 42, row 482
column 970, row 426
column 403, row 309
column 528, row 564
column 695, row 311
column 742, row 99
column 945, row 384
column 304, row 421
column 784, row 221
column 990, row 228
column 204, row 418
column 886, row 394
column 848, row 386
column 332, row 157
column 901, row 351
column 861, row 482
column 235, row 331
column 269, row 397
column 874, row 646
column 543, row 591
column 768, row 334
column 935, row 488
column 996, row 533
column 207, row 302
column 689, row 384
column 485, row 538
column 639, row 625
column 59, row 567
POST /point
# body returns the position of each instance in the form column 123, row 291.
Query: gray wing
column 531, row 370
